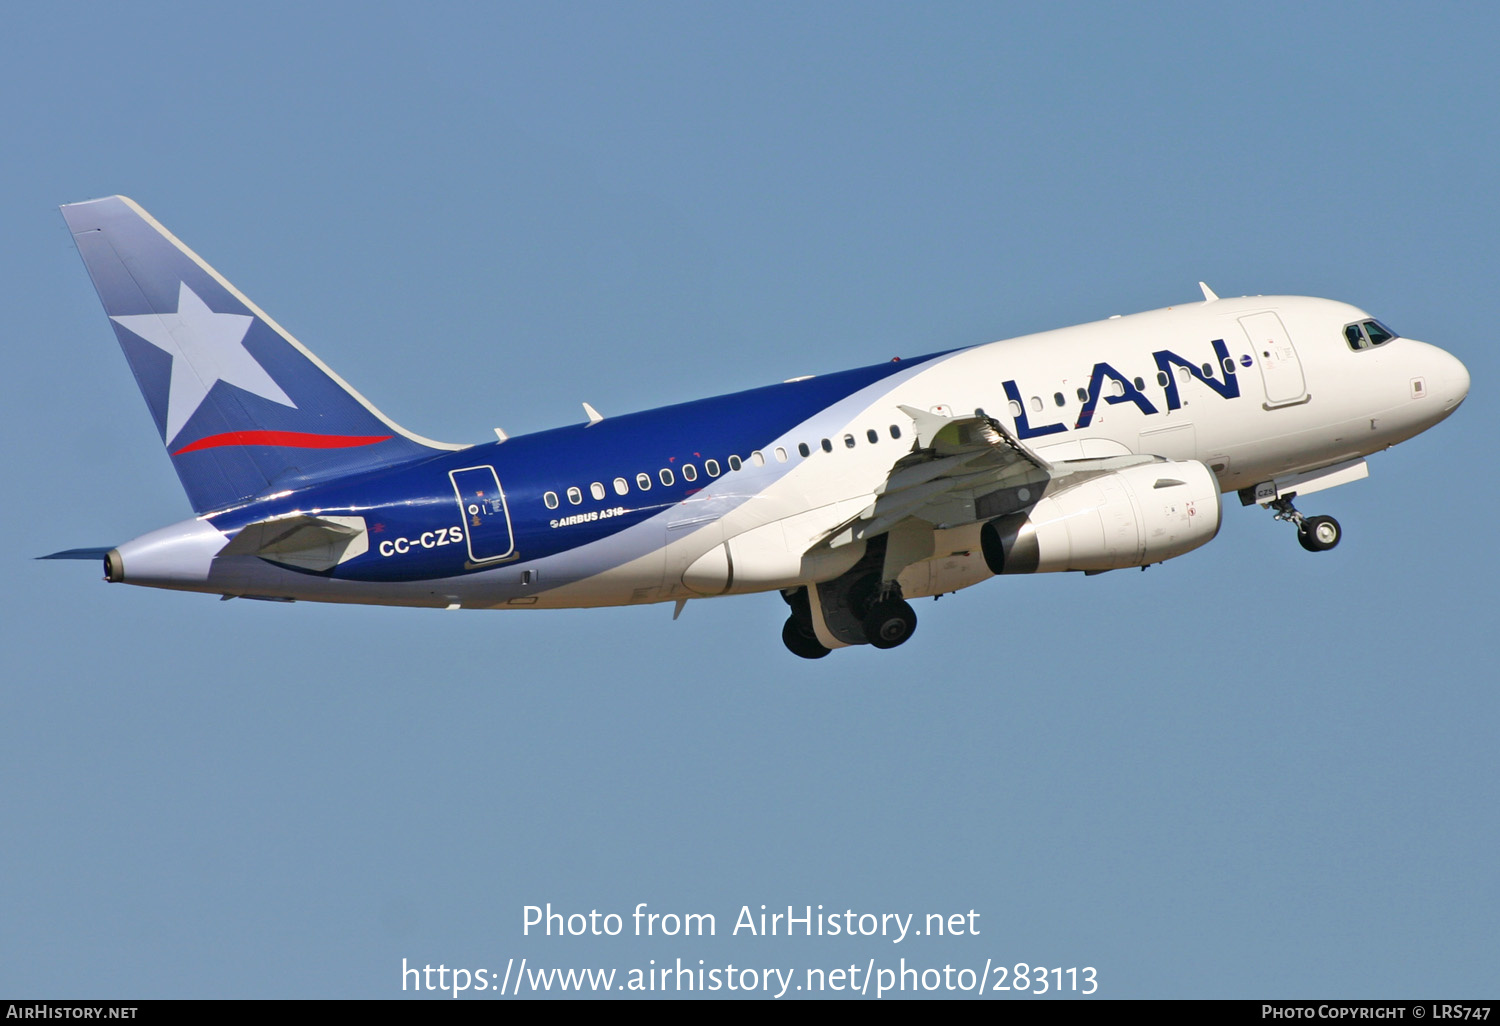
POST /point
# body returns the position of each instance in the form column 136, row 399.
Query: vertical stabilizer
column 241, row 406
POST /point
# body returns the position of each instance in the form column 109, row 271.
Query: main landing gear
column 865, row 613
column 889, row 622
column 1315, row 534
column 800, row 640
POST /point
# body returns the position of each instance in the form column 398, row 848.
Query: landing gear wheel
column 799, row 642
column 1319, row 534
column 889, row 623
column 1315, row 534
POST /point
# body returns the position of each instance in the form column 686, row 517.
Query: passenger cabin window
column 827, row 445
column 872, row 435
column 1057, row 397
column 758, row 458
column 734, row 463
column 596, row 490
column 643, row 482
column 689, row 472
column 1083, row 395
column 550, row 499
column 780, row 454
column 712, row 466
column 895, row 431
column 666, row 477
column 803, row 449
column 575, row 496
column 848, row 441
column 621, row 486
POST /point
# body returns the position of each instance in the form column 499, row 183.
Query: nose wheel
column 1319, row 534
column 1315, row 534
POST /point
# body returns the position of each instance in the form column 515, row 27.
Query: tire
column 889, row 623
column 799, row 642
column 1319, row 534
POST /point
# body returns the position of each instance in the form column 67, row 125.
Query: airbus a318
column 1086, row 449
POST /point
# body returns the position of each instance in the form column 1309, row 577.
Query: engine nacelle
column 1134, row 516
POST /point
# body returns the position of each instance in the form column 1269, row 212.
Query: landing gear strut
column 1315, row 534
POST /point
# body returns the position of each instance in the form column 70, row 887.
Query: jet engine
column 1105, row 520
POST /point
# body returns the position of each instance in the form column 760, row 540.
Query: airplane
column 1086, row 449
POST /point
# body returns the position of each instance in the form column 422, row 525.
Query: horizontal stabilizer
column 300, row 540
column 95, row 554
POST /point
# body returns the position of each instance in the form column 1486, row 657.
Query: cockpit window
column 1379, row 333
column 1367, row 335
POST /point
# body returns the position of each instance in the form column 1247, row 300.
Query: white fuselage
column 1258, row 389
column 1345, row 405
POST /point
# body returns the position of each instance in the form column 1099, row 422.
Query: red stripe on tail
column 288, row 439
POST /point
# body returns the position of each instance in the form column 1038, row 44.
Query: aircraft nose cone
column 1456, row 382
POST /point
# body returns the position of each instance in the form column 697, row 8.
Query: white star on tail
column 206, row 348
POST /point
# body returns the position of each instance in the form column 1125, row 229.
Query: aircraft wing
column 962, row 470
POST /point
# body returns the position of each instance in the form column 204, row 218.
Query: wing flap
column 963, row 470
column 956, row 460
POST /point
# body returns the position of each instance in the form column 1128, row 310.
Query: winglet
column 1208, row 293
column 594, row 415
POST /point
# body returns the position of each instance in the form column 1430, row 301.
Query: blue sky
column 1244, row 773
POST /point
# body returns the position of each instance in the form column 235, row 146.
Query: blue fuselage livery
column 410, row 500
column 1090, row 448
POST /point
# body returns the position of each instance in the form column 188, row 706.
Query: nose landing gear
column 1315, row 534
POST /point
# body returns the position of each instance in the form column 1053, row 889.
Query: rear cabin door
column 486, row 520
